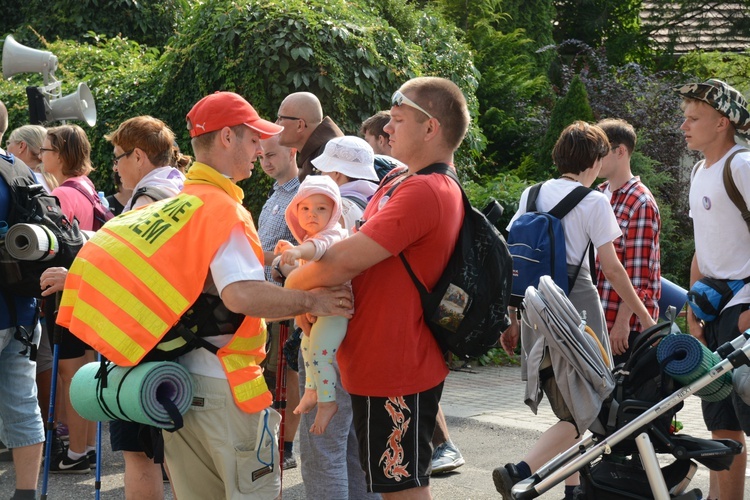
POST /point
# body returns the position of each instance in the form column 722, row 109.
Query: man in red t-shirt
column 390, row 362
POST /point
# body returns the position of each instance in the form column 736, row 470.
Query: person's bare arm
column 342, row 262
column 261, row 299
column 618, row 277
column 290, row 254
column 268, row 257
column 620, row 332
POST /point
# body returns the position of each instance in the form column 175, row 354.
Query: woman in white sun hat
column 349, row 161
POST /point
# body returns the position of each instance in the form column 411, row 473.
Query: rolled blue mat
column 688, row 361
column 133, row 393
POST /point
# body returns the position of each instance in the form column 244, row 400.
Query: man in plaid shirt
column 638, row 248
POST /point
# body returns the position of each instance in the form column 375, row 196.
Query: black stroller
column 619, row 458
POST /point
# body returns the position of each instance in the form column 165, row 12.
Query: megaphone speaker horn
column 18, row 58
column 77, row 106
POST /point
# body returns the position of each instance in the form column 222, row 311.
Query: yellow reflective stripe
column 69, row 297
column 125, row 300
column 250, row 389
column 171, row 345
column 108, row 331
column 246, row 344
column 233, row 362
column 141, row 269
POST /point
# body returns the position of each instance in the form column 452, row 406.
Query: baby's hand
column 282, row 245
column 291, row 256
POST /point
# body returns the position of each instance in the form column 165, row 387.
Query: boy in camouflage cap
column 714, row 113
column 723, row 98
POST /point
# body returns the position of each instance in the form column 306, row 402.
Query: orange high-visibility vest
column 134, row 279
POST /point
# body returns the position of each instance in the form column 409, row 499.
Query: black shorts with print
column 394, row 436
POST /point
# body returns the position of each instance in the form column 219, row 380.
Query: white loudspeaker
column 77, row 106
column 18, row 58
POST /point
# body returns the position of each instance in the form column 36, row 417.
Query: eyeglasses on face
column 399, row 99
column 280, row 118
column 117, row 158
column 42, row 150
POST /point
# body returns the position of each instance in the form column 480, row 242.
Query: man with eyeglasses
column 305, row 128
column 390, row 362
column 22, row 430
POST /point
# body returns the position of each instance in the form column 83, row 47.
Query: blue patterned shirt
column 271, row 223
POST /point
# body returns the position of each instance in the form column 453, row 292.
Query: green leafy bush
column 149, row 22
column 119, row 74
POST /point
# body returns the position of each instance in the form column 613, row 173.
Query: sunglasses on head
column 399, row 99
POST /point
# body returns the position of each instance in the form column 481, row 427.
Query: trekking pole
column 98, row 478
column 279, row 403
column 50, row 427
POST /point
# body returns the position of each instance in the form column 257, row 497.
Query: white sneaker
column 446, row 458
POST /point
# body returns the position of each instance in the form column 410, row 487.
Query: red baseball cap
column 227, row 109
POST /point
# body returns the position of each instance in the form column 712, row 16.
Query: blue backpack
column 537, row 245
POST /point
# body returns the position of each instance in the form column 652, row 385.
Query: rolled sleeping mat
column 31, row 242
column 156, row 393
column 671, row 295
column 686, row 360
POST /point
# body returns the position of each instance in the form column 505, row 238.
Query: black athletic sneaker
column 62, row 464
column 505, row 477
column 91, row 455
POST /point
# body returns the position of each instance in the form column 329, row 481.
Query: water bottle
column 103, row 200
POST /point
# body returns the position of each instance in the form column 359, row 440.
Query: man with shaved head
column 330, row 463
column 305, row 128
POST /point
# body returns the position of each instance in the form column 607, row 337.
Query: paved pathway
column 494, row 394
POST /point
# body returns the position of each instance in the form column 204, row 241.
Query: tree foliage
column 148, row 22
column 574, row 105
column 614, row 24
column 352, row 59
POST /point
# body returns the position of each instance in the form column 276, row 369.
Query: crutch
column 279, row 402
column 56, row 332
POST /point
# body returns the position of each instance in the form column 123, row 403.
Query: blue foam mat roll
column 688, row 361
column 132, row 393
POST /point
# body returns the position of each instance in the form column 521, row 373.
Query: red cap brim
column 265, row 128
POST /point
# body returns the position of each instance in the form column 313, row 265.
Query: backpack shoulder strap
column 77, row 187
column 533, row 195
column 695, row 169
column 732, row 191
column 101, row 214
column 357, row 201
column 435, row 168
column 154, row 192
column 569, row 202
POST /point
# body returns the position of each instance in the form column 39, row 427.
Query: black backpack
column 30, row 204
column 467, row 310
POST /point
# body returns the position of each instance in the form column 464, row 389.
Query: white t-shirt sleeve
column 602, row 226
column 235, row 261
column 521, row 207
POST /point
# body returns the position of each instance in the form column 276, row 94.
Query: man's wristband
column 277, row 268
